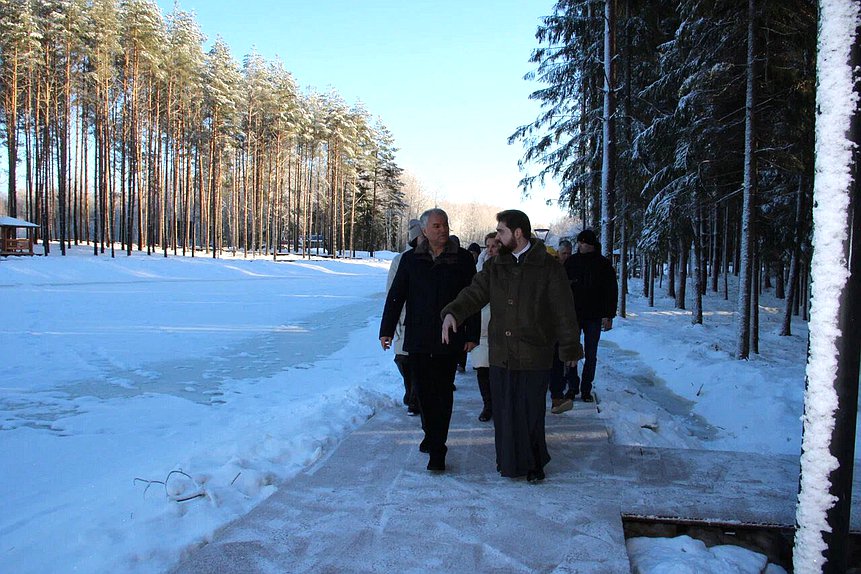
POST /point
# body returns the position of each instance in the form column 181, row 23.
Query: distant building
column 10, row 242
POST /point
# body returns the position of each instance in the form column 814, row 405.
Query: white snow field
column 133, row 383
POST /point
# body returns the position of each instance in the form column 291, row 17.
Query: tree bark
column 684, row 249
column 699, row 283
column 608, row 165
column 750, row 184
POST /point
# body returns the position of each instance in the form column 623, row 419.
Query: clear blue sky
column 446, row 77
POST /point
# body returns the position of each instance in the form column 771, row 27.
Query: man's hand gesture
column 449, row 324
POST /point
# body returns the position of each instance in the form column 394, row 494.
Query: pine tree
column 222, row 80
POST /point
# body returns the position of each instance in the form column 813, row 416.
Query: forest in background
column 681, row 131
column 120, row 129
column 685, row 129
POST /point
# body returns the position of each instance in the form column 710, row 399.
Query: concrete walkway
column 371, row 506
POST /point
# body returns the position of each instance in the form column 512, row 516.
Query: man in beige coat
column 531, row 308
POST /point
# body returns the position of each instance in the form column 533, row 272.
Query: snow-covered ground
column 669, row 382
column 134, row 382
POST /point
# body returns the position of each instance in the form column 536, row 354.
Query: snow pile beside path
column 686, row 555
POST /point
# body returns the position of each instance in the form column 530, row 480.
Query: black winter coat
column 593, row 282
column 426, row 285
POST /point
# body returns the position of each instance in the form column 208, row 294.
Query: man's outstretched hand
column 449, row 324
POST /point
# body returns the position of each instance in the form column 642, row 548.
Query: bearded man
column 531, row 309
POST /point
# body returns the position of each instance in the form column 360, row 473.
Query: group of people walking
column 517, row 305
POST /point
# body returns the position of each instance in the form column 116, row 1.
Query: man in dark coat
column 428, row 278
column 531, row 308
column 593, row 282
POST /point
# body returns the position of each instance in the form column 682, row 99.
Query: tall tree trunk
column 725, row 253
column 373, row 211
column 628, row 131
column 645, row 266
column 672, row 271
column 754, row 302
column 823, row 516
column 697, row 311
column 684, row 252
column 779, row 272
column 608, row 165
column 717, row 251
column 795, row 261
column 11, row 105
column 652, row 272
column 750, row 185
column 623, row 264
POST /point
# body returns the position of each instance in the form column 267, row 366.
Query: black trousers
column 403, row 363
column 483, row 376
column 519, row 406
column 591, row 329
column 433, row 376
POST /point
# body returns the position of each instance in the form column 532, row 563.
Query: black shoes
column 413, row 411
column 535, row 475
column 588, row 398
column 423, row 447
column 486, row 414
column 436, row 463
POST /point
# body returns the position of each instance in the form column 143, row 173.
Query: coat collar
column 451, row 247
column 533, row 256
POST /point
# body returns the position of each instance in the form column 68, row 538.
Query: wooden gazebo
column 10, row 243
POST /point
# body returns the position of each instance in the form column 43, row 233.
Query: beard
column 506, row 248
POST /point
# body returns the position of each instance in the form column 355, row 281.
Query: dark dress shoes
column 535, row 475
column 436, row 463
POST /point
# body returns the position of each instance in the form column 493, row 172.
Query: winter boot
column 559, row 406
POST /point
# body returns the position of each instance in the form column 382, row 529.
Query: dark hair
column 491, row 235
column 515, row 219
column 588, row 237
column 474, row 247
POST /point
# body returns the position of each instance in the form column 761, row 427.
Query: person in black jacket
column 593, row 282
column 428, row 278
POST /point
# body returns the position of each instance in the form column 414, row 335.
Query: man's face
column 492, row 245
column 507, row 242
column 585, row 247
column 436, row 231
